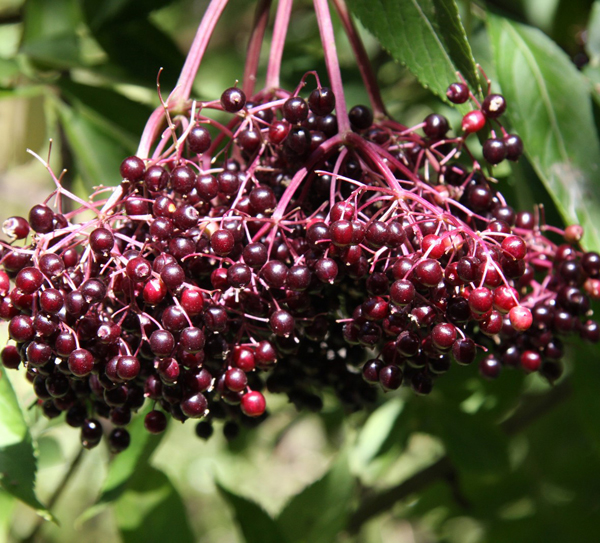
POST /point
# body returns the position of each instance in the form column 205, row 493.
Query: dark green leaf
column 126, row 115
column 97, row 151
column 320, row 511
column 425, row 35
column 50, row 32
column 549, row 106
column 151, row 509
column 254, row 522
column 103, row 13
column 586, row 384
column 473, row 442
column 17, row 459
column 125, row 465
column 141, row 49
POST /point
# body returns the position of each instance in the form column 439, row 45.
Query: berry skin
column 361, row 117
column 295, row 110
column 520, row 318
column 321, row 101
column 91, row 433
column 41, row 219
column 16, row 227
column 490, row 367
column 494, row 151
column 199, row 139
column 514, row 147
column 102, row 240
column 515, row 247
column 443, row 336
column 233, row 100
column 253, row 404
column 473, row 121
column 481, row 300
column 458, row 93
column 132, row 168
column 29, row 280
column 493, row 106
column 118, row 440
column 155, row 422
column 81, row 362
column 194, row 406
column 531, row 361
column 436, row 126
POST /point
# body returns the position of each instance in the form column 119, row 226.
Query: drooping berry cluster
column 276, row 251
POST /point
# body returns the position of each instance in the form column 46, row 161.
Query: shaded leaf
column 17, row 458
column 375, row 432
column 319, row 512
column 425, row 35
column 473, row 442
column 126, row 115
column 549, row 106
column 593, row 35
column 141, row 49
column 586, row 384
column 103, row 13
column 97, row 151
column 151, row 509
column 50, row 33
column 254, row 522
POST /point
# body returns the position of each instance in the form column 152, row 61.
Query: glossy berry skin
column 514, row 147
column 361, row 117
column 233, row 100
column 132, row 168
column 119, row 440
column 155, row 422
column 199, row 139
column 91, row 433
column 521, row 318
column 515, row 247
column 473, row 121
column 102, row 240
column 481, row 300
column 321, row 101
column 443, row 336
column 494, row 150
column 493, row 106
column 390, row 377
column 81, row 362
column 458, row 93
column 29, row 280
column 295, row 110
column 41, row 219
column 16, row 227
column 490, row 367
column 436, row 126
column 531, row 361
column 253, row 404
column 194, row 406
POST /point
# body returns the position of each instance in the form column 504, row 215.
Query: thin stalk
column 362, row 59
column 282, row 21
column 194, row 58
column 261, row 19
column 332, row 63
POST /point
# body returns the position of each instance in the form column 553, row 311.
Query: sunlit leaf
column 549, row 106
column 425, row 35
column 17, row 457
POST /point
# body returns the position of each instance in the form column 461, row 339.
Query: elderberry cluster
column 277, row 252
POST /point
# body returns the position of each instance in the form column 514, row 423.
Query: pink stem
column 282, row 21
column 362, row 59
column 331, row 61
column 192, row 62
column 254, row 45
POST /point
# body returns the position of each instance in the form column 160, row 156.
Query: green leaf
column 125, row 115
column 254, row 522
column 125, row 465
column 473, row 442
column 549, row 105
column 586, row 384
column 375, row 432
column 141, row 49
column 50, row 33
column 97, row 150
column 319, row 512
column 17, row 457
column 151, row 509
column 425, row 35
column 593, row 35
column 103, row 13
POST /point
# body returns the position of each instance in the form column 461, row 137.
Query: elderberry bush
column 276, row 241
column 278, row 253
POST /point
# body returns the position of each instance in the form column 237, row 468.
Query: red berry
column 473, row 121
column 253, row 404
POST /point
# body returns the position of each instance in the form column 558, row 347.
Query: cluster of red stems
column 283, row 251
